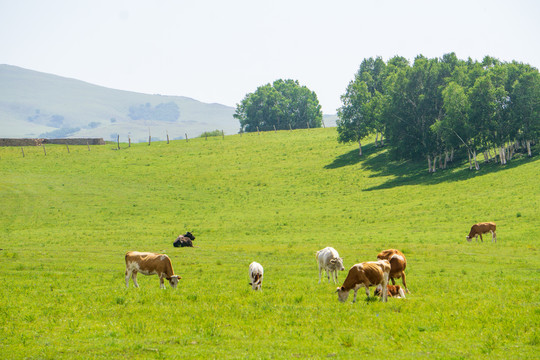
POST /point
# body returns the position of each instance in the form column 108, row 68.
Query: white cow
column 256, row 275
column 329, row 260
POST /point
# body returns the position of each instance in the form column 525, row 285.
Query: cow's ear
column 333, row 261
column 250, row 284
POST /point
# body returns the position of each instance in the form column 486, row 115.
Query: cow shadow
column 406, row 172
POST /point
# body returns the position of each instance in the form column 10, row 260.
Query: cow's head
column 337, row 263
column 189, row 235
column 468, row 238
column 342, row 294
column 173, row 280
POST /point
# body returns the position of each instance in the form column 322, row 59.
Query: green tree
column 281, row 105
column 525, row 107
column 355, row 120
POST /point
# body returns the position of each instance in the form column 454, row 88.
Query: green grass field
column 67, row 219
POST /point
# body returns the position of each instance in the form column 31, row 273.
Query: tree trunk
column 486, row 156
column 452, row 155
column 376, row 139
column 446, row 158
column 476, row 166
column 359, row 148
column 434, row 163
column 502, row 154
column 528, row 142
column 470, row 163
column 429, row 163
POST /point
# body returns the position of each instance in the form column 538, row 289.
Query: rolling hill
column 34, row 104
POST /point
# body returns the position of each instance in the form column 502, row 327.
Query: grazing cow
column 329, row 260
column 482, row 228
column 392, row 291
column 256, row 275
column 185, row 240
column 398, row 263
column 366, row 274
column 149, row 264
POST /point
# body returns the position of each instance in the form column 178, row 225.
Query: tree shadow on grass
column 406, row 172
column 351, row 157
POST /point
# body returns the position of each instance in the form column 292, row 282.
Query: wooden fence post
column 22, row 151
column 290, row 127
column 67, row 146
column 88, row 145
column 186, row 137
column 275, row 129
column 258, row 133
column 129, row 140
column 167, row 136
column 222, row 134
column 118, row 141
column 308, row 125
column 323, row 123
column 149, row 137
column 44, row 151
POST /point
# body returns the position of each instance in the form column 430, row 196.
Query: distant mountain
column 34, row 104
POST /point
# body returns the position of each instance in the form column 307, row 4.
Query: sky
column 220, row 51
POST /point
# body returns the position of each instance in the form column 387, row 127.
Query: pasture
column 67, row 219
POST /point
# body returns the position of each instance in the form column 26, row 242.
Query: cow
column 482, row 228
column 392, row 291
column 329, row 260
column 185, row 240
column 148, row 263
column 366, row 274
column 398, row 263
column 256, row 273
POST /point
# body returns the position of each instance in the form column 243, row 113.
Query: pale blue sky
column 218, row 51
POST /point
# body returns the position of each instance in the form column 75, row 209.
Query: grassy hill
column 34, row 104
column 67, row 220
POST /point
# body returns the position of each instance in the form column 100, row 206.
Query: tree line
column 434, row 107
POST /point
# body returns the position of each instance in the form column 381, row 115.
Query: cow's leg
column 334, row 276
column 328, row 275
column 355, row 292
column 134, row 276
column 385, row 287
column 161, row 283
column 320, row 273
column 481, row 238
column 403, row 280
column 128, row 275
column 393, row 281
column 493, row 236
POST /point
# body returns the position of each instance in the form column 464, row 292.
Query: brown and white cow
column 482, row 228
column 392, row 291
column 398, row 263
column 148, row 263
column 366, row 274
